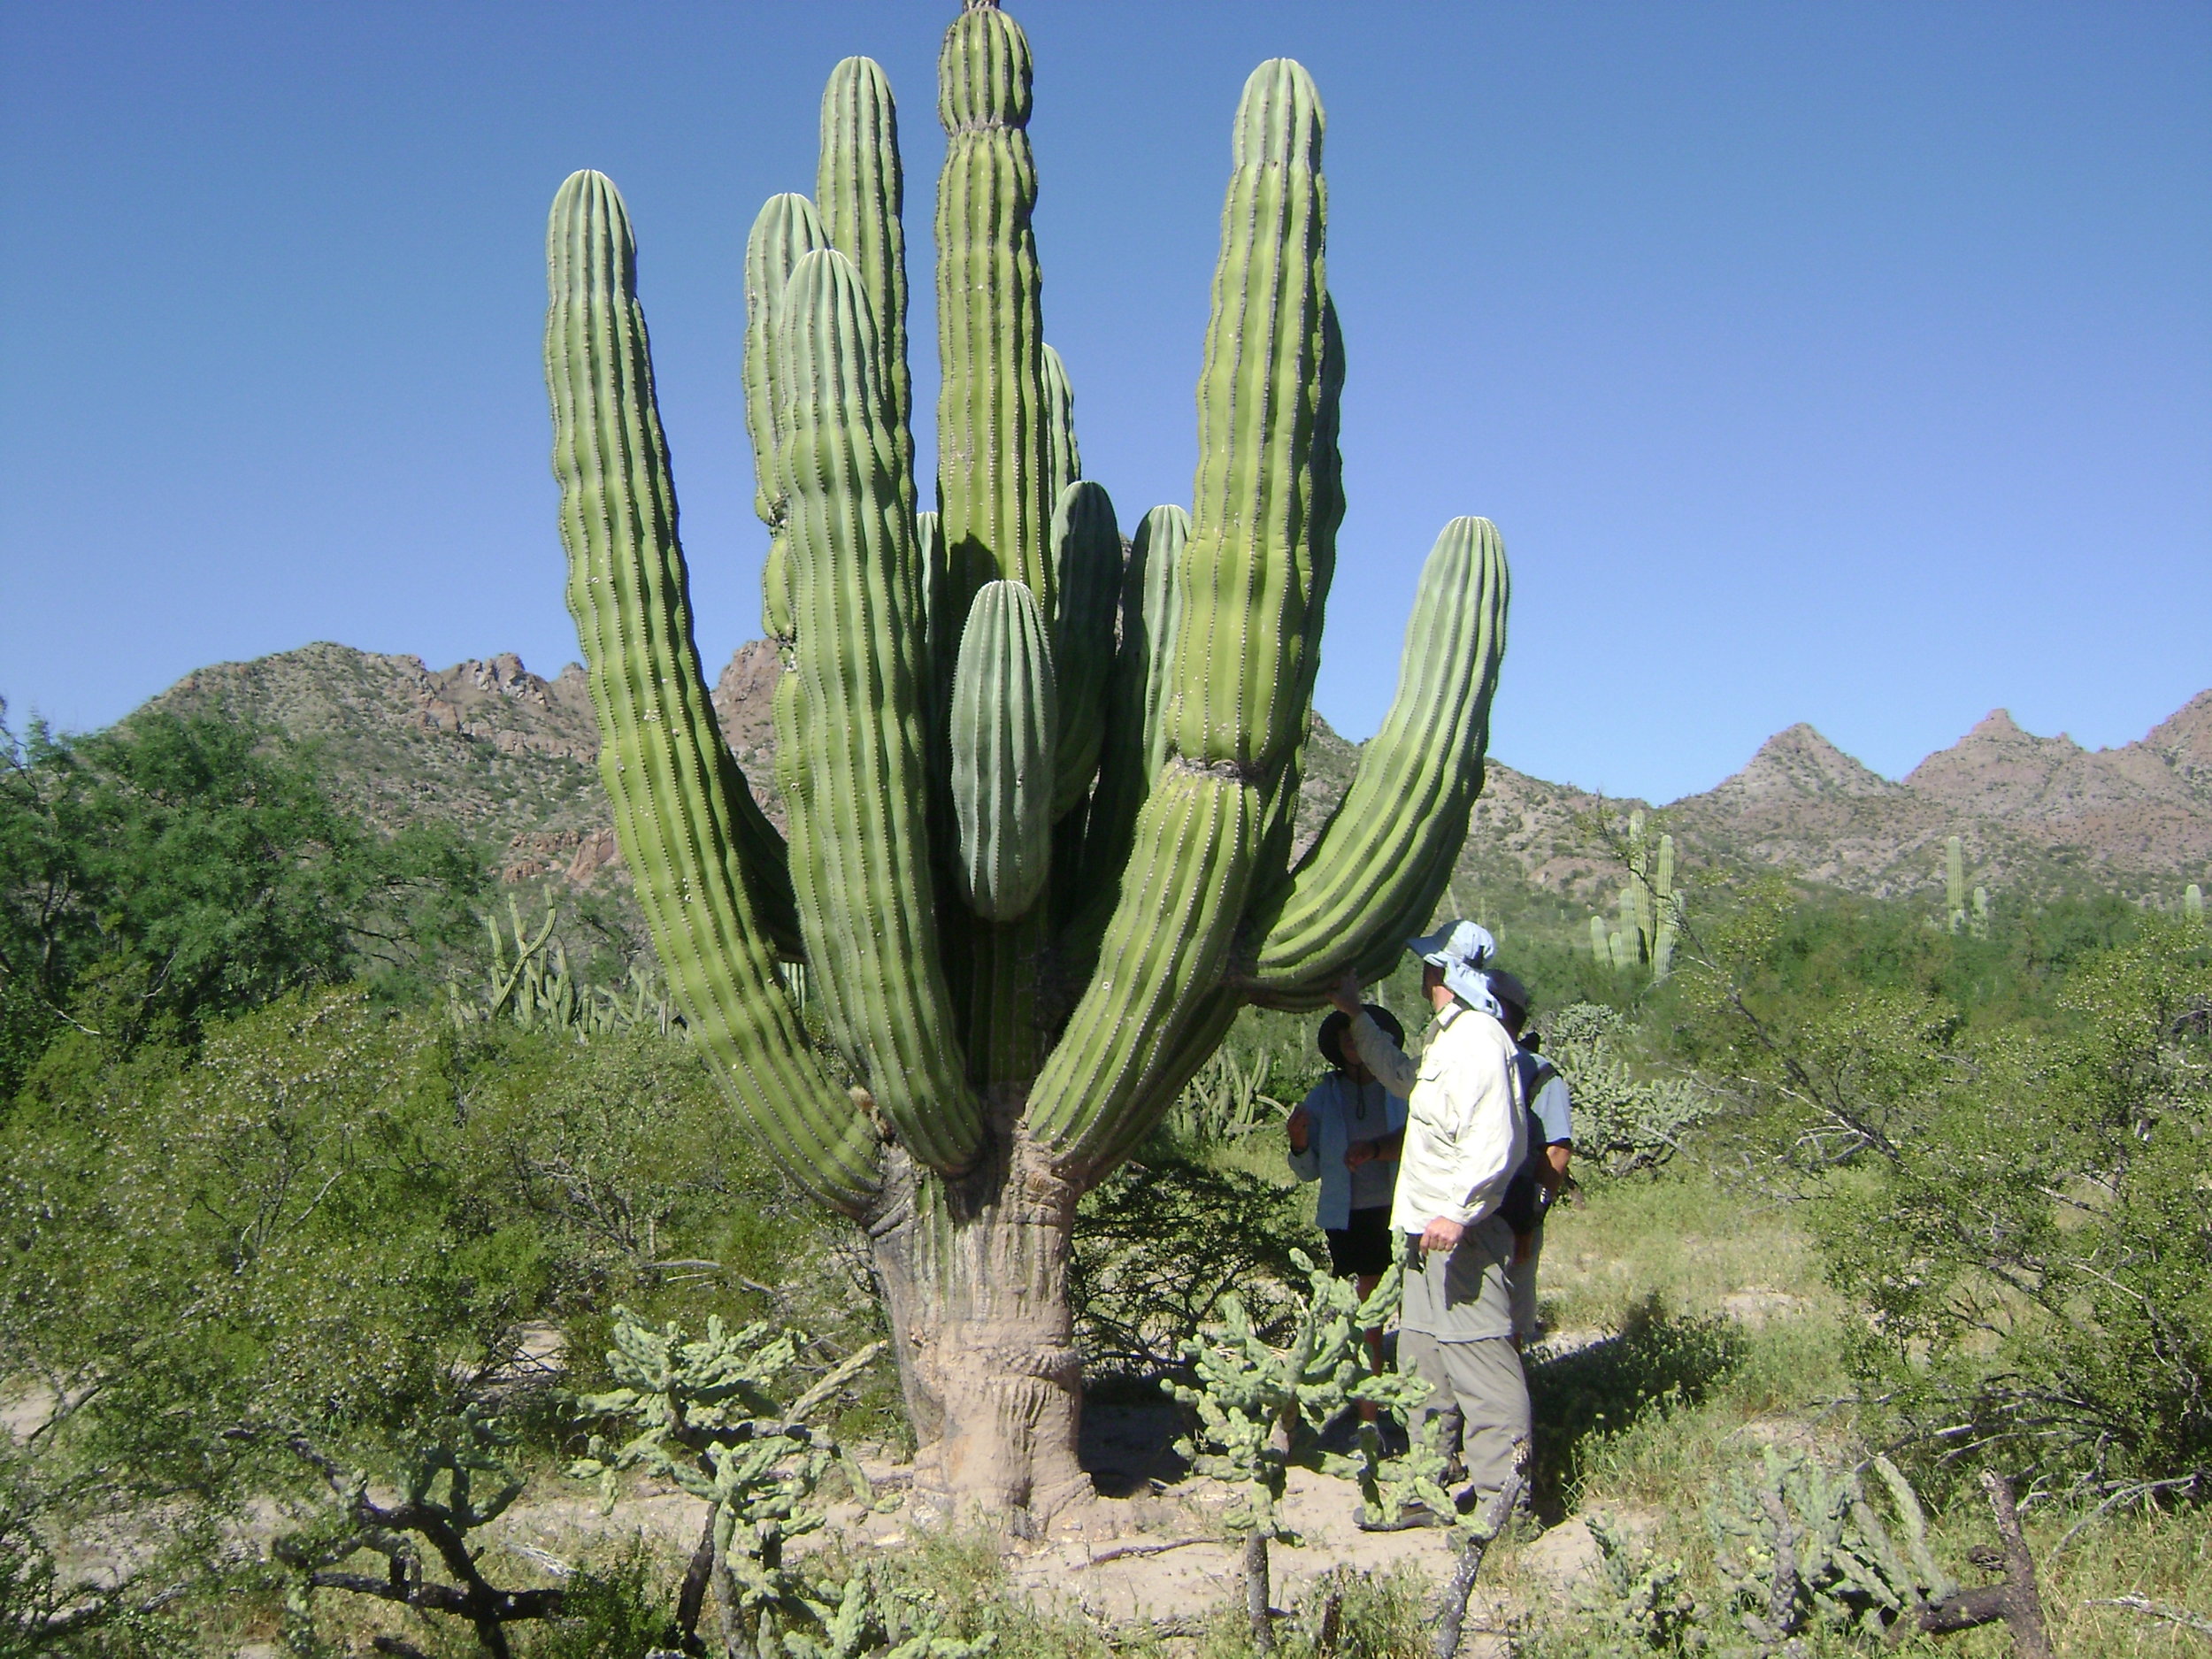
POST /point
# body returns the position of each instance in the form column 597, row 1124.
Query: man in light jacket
column 1465, row 1137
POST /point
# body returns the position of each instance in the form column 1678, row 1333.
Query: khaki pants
column 1520, row 1279
column 1479, row 1392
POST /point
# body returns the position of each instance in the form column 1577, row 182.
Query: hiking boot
column 1410, row 1514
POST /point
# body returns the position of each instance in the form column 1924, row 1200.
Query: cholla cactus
column 1259, row 1407
column 1800, row 1548
column 1040, row 796
column 712, row 1418
column 1637, row 1597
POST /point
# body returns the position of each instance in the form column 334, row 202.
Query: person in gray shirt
column 1549, row 1101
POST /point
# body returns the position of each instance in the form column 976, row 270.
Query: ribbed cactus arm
column 786, row 230
column 1244, row 582
column 1135, row 743
column 1165, row 950
column 859, row 838
column 675, row 790
column 1248, row 573
column 1005, row 706
column 993, row 439
column 1386, row 854
column 860, row 186
column 1066, row 463
column 1087, row 555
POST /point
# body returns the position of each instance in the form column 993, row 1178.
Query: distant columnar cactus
column 1040, row 791
column 1650, row 908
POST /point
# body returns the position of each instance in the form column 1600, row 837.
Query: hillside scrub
column 171, row 870
column 2004, row 1144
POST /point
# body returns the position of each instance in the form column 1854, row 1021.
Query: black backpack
column 1526, row 1195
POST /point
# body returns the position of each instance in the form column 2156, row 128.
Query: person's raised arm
column 1391, row 1065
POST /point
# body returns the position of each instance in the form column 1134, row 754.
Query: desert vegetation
column 852, row 1230
column 303, row 1252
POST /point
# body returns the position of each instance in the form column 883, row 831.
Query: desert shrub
column 1160, row 1242
column 1624, row 1121
column 168, row 871
column 2037, row 1253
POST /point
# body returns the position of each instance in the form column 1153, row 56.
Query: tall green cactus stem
column 1066, row 463
column 850, row 721
column 1007, row 1064
column 1954, row 885
column 1248, row 575
column 1667, row 906
column 784, row 231
column 1087, row 559
column 993, row 437
column 708, row 887
column 1004, row 711
column 1135, row 744
column 860, row 188
column 1600, row 941
column 2192, row 903
column 1388, row 851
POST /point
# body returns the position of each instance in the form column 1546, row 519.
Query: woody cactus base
column 1041, row 792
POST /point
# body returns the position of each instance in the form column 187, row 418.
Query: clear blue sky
column 1850, row 364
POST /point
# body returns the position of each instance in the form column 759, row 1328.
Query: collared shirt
column 1553, row 1106
column 1466, row 1128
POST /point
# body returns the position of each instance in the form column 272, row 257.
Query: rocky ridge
column 509, row 755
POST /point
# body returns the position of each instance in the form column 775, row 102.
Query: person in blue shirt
column 1334, row 1136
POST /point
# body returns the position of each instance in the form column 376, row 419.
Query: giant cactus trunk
column 1039, row 792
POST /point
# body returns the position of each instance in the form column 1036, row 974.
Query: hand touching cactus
column 1040, row 792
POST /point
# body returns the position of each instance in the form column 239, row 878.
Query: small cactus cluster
column 1961, row 915
column 532, row 986
column 1649, row 910
column 1260, row 1408
column 714, row 1416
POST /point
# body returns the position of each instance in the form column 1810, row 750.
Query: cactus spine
column 1039, row 794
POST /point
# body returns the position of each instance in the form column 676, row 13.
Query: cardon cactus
column 1040, row 791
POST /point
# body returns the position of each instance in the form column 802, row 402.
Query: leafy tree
column 170, row 870
column 2020, row 1133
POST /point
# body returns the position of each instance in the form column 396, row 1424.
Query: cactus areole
column 1039, row 790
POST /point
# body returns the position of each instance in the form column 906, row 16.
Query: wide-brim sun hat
column 1508, row 990
column 1462, row 949
column 1330, row 1038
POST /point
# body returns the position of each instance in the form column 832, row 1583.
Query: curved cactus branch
column 1244, row 578
column 1384, row 856
column 680, row 800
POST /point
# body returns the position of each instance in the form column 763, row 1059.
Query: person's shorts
column 1364, row 1245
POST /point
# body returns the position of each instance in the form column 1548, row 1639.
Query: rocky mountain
column 508, row 756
